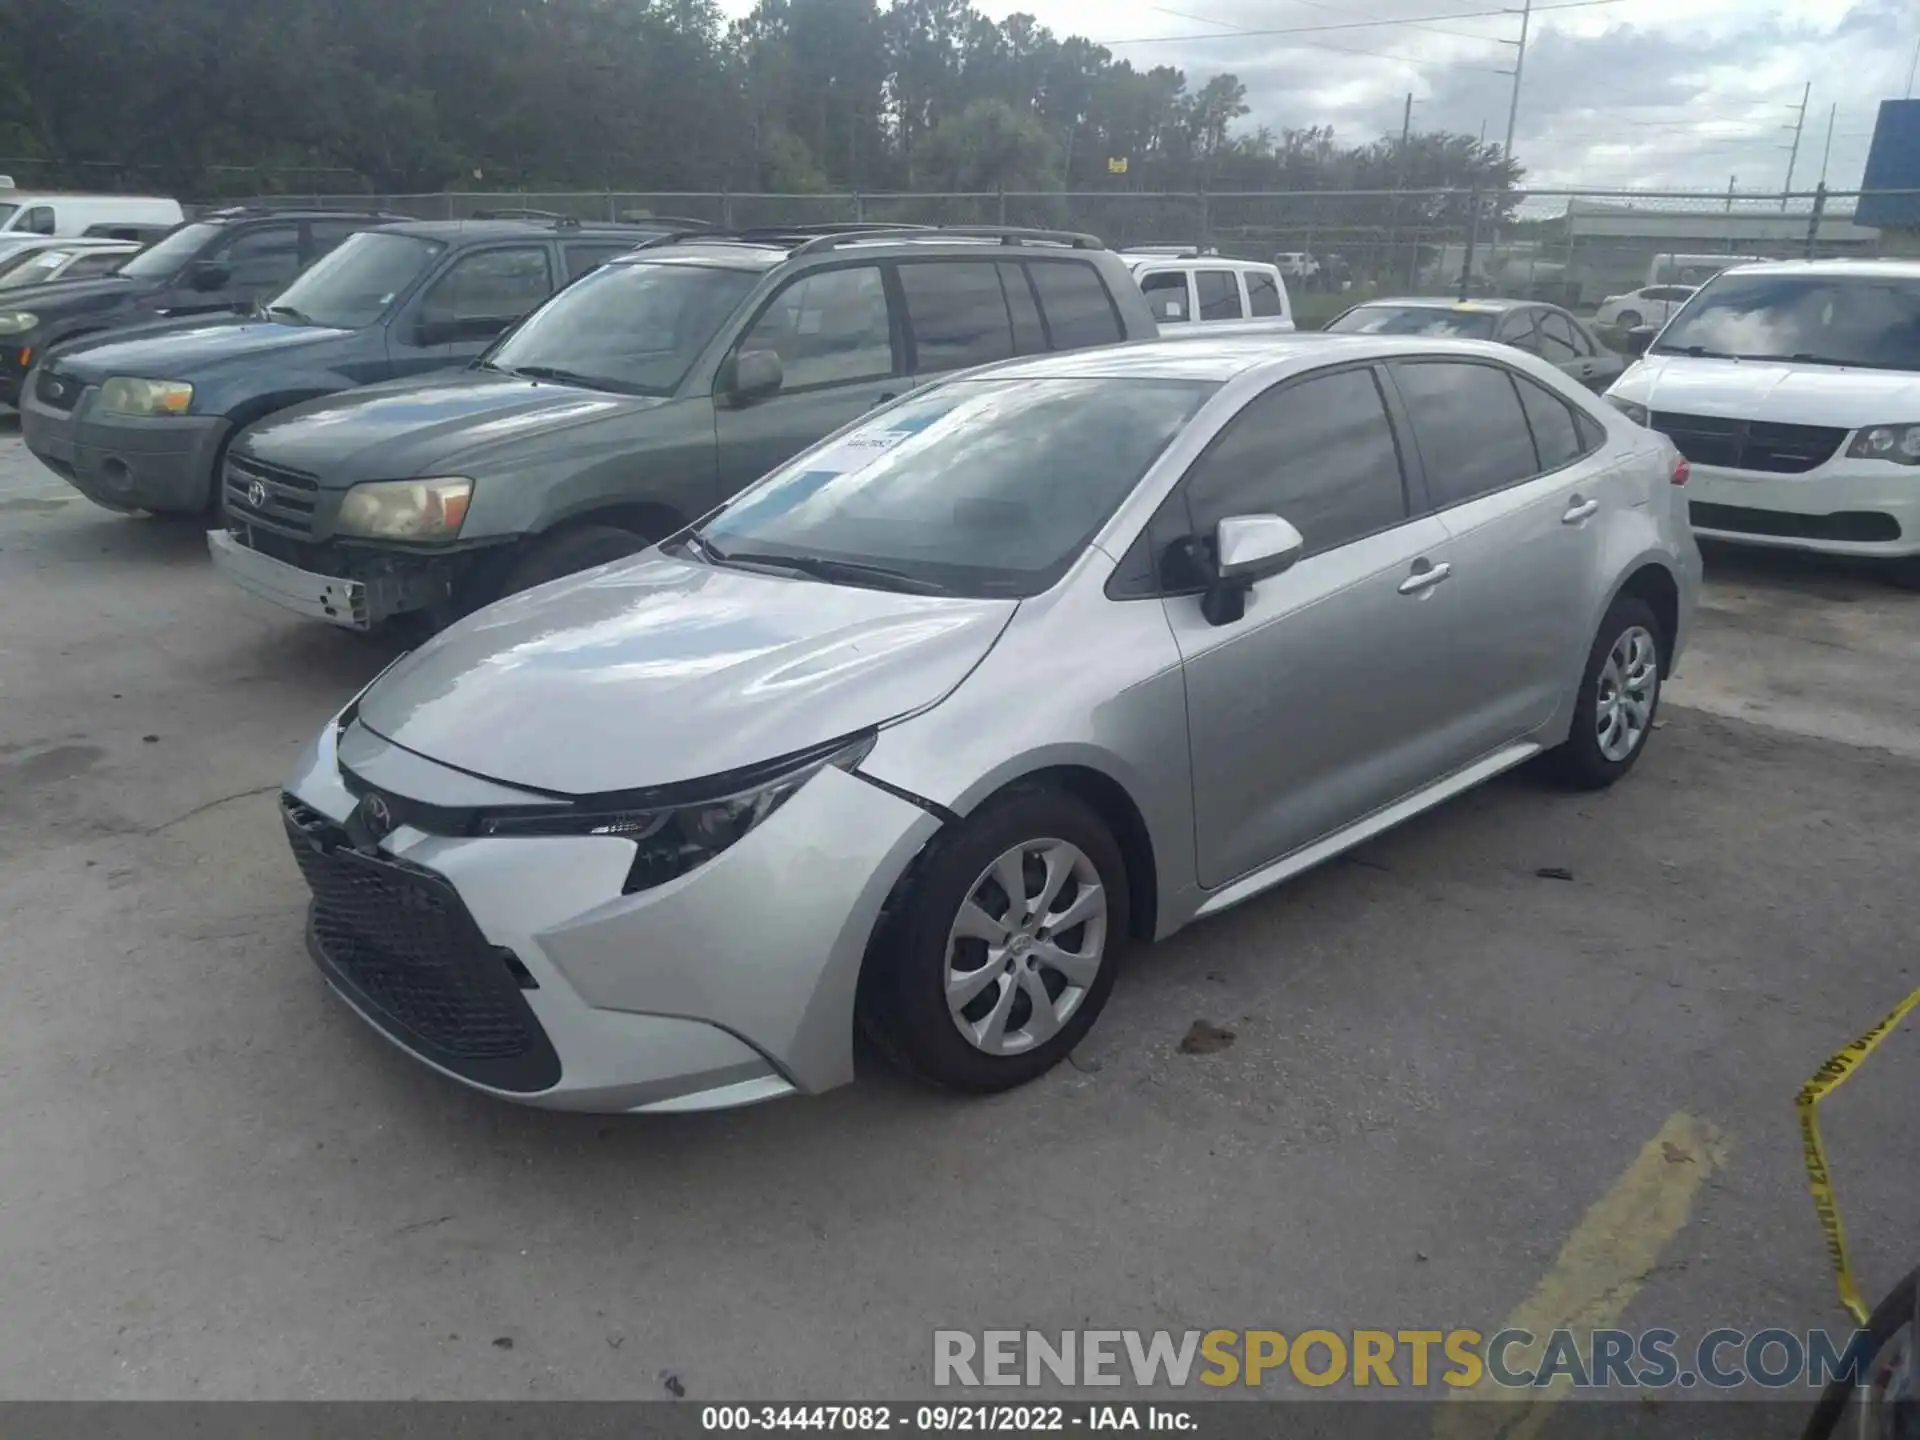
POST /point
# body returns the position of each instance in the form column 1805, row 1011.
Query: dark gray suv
column 634, row 402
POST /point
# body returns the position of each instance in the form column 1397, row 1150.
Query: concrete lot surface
column 214, row 1181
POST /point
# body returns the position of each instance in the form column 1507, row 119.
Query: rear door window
column 262, row 259
column 1166, row 292
column 1263, row 292
column 1075, row 304
column 1518, row 331
column 1467, row 420
column 1557, row 340
column 1219, row 294
column 957, row 314
column 483, row 294
column 326, row 236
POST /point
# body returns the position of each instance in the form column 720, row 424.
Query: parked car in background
column 1793, row 387
column 45, row 260
column 634, row 402
column 926, row 728
column 1693, row 270
column 1192, row 287
column 1297, row 265
column 38, row 212
column 1560, row 339
column 220, row 264
column 141, row 421
column 1649, row 305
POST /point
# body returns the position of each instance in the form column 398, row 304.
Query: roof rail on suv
column 1005, row 234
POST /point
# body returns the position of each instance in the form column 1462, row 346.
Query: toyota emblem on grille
column 378, row 818
column 257, row 498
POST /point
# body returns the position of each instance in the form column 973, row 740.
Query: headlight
column 1632, row 409
column 17, row 322
column 1899, row 443
column 672, row 839
column 129, row 395
column 406, row 509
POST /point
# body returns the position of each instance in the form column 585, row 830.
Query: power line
column 1344, row 25
column 1350, row 50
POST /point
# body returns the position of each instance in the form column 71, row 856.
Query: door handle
column 1420, row 581
column 1579, row 511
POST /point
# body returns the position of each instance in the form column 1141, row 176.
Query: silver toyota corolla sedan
column 921, row 731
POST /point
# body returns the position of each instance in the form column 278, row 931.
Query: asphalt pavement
column 215, row 1182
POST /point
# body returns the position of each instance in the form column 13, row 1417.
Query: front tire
column 1006, row 948
column 1618, row 699
column 1628, row 319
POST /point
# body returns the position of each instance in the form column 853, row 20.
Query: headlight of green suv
column 406, row 509
column 130, row 395
column 1899, row 443
column 17, row 322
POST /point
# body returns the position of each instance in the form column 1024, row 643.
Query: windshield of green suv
column 163, row 259
column 977, row 487
column 1872, row 321
column 633, row 328
column 355, row 284
column 1438, row 320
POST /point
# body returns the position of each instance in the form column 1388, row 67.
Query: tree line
column 393, row 96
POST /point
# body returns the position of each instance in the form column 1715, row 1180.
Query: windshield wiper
column 559, row 376
column 299, row 317
column 699, row 548
column 877, row 577
column 1699, row 352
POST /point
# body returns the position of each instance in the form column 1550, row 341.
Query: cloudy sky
column 1654, row 93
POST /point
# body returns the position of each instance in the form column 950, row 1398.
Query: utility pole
column 1826, row 152
column 1793, row 155
column 1913, row 65
column 1519, row 64
column 1406, row 141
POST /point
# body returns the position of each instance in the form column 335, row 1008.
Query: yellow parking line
column 1599, row 1270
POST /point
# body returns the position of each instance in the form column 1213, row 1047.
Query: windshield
column 1416, row 320
column 631, row 328
column 1865, row 320
column 354, row 285
column 162, row 259
column 978, row 487
column 7, row 212
column 31, row 267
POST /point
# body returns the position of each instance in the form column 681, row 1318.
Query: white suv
column 1793, row 388
column 1187, row 286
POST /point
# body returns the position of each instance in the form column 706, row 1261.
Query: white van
column 1190, row 289
column 31, row 212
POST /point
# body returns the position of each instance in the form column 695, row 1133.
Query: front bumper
column 731, row 984
column 125, row 462
column 387, row 586
column 1845, row 507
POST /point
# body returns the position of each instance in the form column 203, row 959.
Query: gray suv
column 634, row 402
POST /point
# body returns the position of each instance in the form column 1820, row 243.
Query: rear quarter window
column 1074, row 301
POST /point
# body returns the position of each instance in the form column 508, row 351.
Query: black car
column 139, row 420
column 1560, row 339
column 216, row 265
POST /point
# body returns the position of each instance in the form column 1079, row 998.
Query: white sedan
column 1654, row 305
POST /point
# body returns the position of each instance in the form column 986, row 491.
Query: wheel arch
column 1653, row 581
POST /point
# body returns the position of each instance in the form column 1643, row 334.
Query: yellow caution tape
column 1828, row 1078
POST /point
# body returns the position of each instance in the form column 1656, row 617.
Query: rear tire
column 1904, row 572
column 1619, row 697
column 567, row 552
column 960, row 921
column 1628, row 319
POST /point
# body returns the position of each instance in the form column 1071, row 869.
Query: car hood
column 421, row 426
column 178, row 350
column 655, row 670
column 58, row 297
column 1772, row 390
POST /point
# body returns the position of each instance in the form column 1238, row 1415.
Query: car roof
column 1190, row 258
column 1878, row 267
column 1221, row 358
column 503, row 229
column 1488, row 303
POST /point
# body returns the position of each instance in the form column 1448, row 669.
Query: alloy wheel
column 1624, row 697
column 1025, row 947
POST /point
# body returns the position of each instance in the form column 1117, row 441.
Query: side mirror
column 754, row 375
column 1247, row 549
column 1640, row 337
column 209, row 275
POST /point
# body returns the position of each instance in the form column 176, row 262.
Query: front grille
column 1750, row 444
column 1855, row 525
column 56, row 392
column 271, row 495
column 399, row 940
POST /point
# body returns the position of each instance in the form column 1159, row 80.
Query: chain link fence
column 1575, row 246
